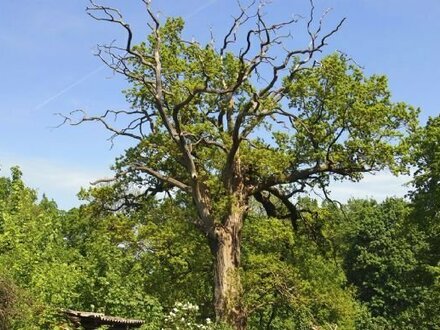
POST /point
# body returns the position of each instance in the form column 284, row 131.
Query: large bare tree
column 242, row 117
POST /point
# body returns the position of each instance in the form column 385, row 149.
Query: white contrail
column 88, row 75
column 201, row 8
column 68, row 88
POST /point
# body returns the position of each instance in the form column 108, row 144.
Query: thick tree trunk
column 228, row 290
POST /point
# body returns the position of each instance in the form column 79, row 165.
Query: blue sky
column 47, row 66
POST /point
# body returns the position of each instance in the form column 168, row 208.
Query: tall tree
column 426, row 184
column 381, row 260
column 249, row 117
column 33, row 256
column 426, row 213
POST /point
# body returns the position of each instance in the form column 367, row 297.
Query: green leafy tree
column 112, row 280
column 32, row 253
column 219, row 125
column 134, row 260
column 382, row 260
column 426, row 186
column 426, row 214
column 50, row 260
column 290, row 283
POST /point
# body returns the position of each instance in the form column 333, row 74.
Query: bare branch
column 174, row 182
column 231, row 36
column 113, row 15
column 103, row 119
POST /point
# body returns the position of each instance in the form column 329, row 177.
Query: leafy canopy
column 196, row 110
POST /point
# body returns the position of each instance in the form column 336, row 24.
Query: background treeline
column 361, row 265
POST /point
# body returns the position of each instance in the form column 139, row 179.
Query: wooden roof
column 90, row 320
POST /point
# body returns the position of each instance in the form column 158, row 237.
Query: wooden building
column 90, row 321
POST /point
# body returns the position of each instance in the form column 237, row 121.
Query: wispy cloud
column 378, row 186
column 57, row 180
column 63, row 181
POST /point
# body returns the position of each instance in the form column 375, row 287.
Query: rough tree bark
column 225, row 243
column 227, row 284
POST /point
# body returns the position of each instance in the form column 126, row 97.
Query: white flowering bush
column 183, row 317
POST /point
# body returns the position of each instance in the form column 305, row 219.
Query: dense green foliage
column 365, row 265
column 139, row 264
column 382, row 251
column 32, row 253
column 290, row 283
